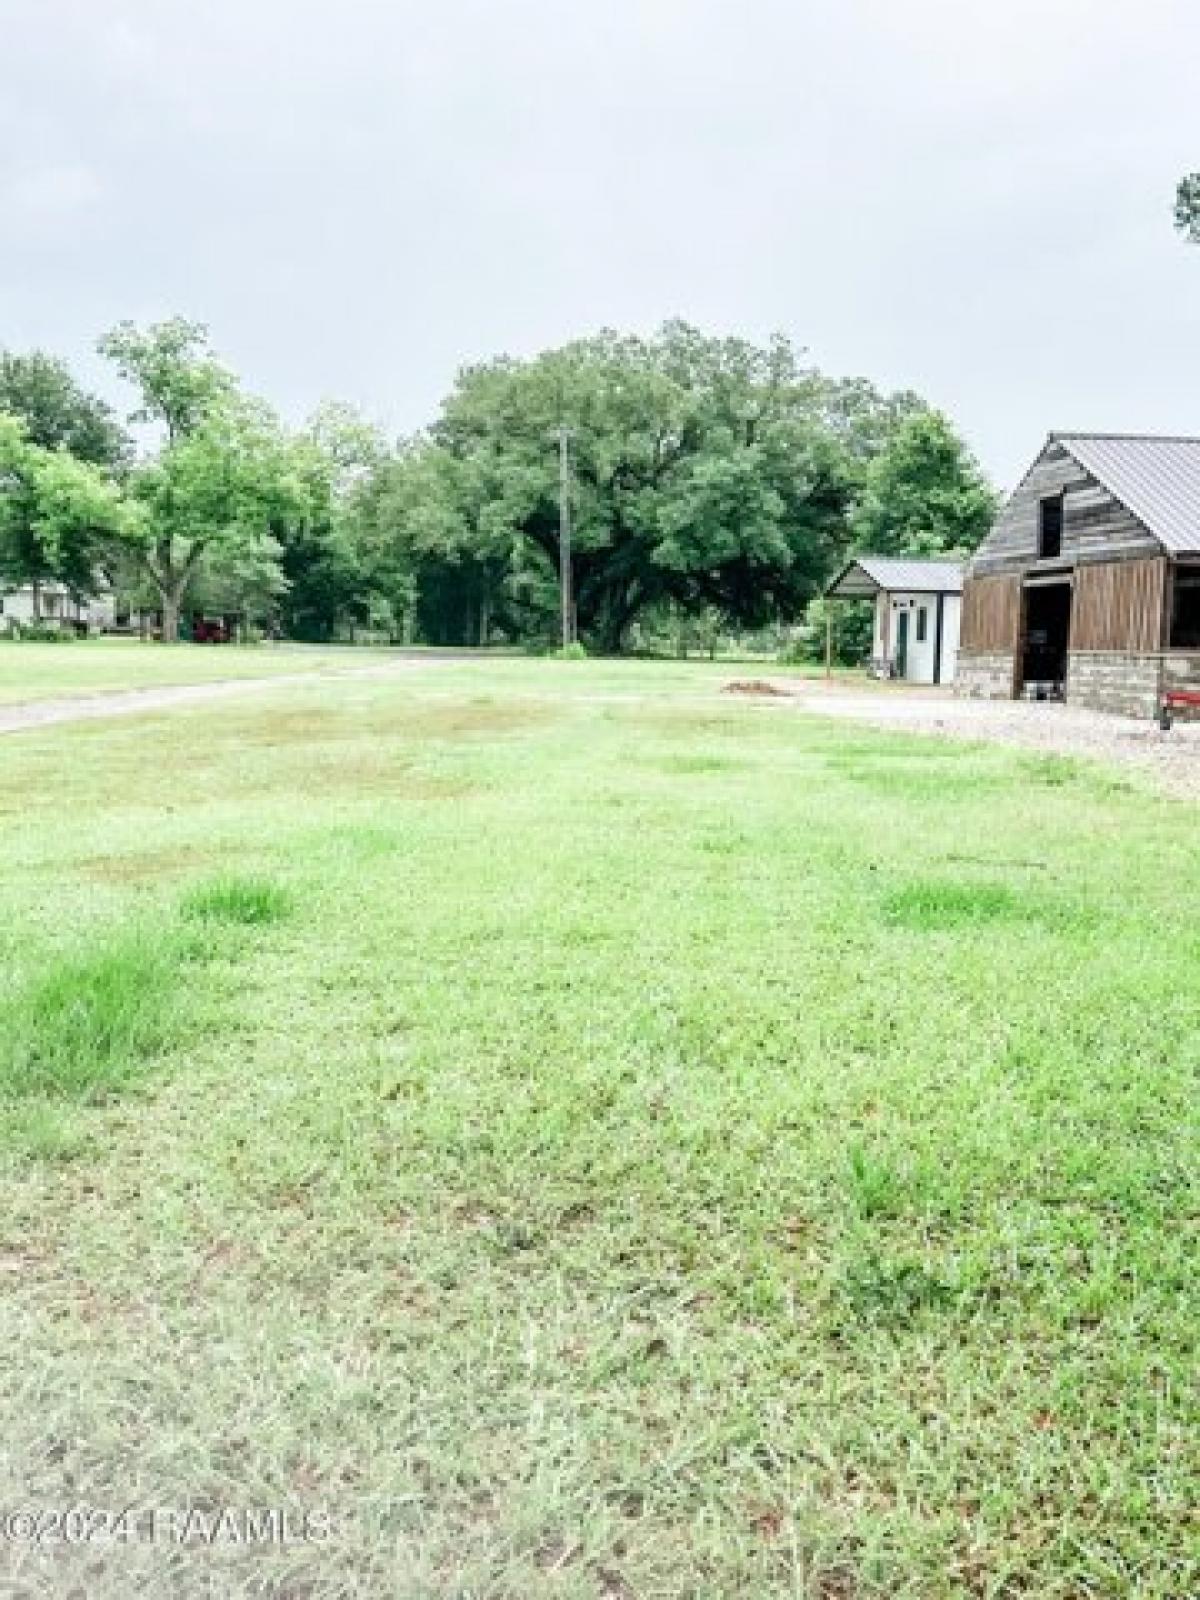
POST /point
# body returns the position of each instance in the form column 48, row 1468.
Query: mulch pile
column 754, row 686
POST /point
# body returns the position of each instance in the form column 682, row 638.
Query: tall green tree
column 325, row 554
column 178, row 378
column 60, row 426
column 222, row 481
column 210, row 504
column 56, row 411
column 59, row 516
column 924, row 494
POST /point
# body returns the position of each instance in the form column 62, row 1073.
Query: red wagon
column 1175, row 700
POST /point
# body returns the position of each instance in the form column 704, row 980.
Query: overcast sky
column 967, row 197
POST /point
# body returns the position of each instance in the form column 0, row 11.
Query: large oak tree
column 707, row 474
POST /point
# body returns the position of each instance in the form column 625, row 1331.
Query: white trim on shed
column 918, row 610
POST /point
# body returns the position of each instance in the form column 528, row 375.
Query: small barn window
column 1050, row 527
column 922, row 624
column 1185, row 611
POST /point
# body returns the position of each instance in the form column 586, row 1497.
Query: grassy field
column 587, row 1137
column 38, row 671
column 31, row 672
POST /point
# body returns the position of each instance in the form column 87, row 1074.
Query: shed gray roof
column 1155, row 477
column 868, row 574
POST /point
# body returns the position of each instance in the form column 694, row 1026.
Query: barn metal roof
column 1155, row 477
column 868, row 574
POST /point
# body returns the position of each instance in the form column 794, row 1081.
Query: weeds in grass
column 85, row 1025
column 942, row 903
column 912, row 779
column 248, row 902
column 877, row 1189
column 42, row 1129
column 1053, row 771
column 893, row 1290
column 693, row 765
column 81, row 1027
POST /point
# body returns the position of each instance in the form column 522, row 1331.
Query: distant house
column 50, row 606
column 54, row 606
column 1088, row 585
column 917, row 606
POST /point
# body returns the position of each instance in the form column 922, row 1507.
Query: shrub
column 40, row 633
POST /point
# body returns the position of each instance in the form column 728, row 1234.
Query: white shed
column 918, row 605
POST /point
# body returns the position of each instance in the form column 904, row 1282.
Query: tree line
column 712, row 479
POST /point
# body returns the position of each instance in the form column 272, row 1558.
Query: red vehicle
column 210, row 630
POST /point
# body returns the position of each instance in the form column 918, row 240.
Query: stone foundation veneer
column 984, row 675
column 1130, row 685
column 1126, row 683
column 1114, row 680
column 1181, row 672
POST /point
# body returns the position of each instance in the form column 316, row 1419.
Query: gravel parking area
column 1171, row 761
column 134, row 702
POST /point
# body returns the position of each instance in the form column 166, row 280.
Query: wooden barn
column 1087, row 588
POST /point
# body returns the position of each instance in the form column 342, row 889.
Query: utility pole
column 564, row 534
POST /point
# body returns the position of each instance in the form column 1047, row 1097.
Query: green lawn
column 593, row 1138
column 37, row 671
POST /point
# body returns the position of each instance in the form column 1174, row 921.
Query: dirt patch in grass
column 474, row 717
column 146, row 866
column 690, row 723
column 396, row 727
column 391, row 779
column 308, row 725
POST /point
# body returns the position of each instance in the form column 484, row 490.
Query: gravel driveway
column 1171, row 761
column 131, row 702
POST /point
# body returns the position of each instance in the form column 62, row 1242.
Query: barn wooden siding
column 1119, row 605
column 991, row 614
column 1095, row 524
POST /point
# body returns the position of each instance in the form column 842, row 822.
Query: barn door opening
column 1045, row 640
